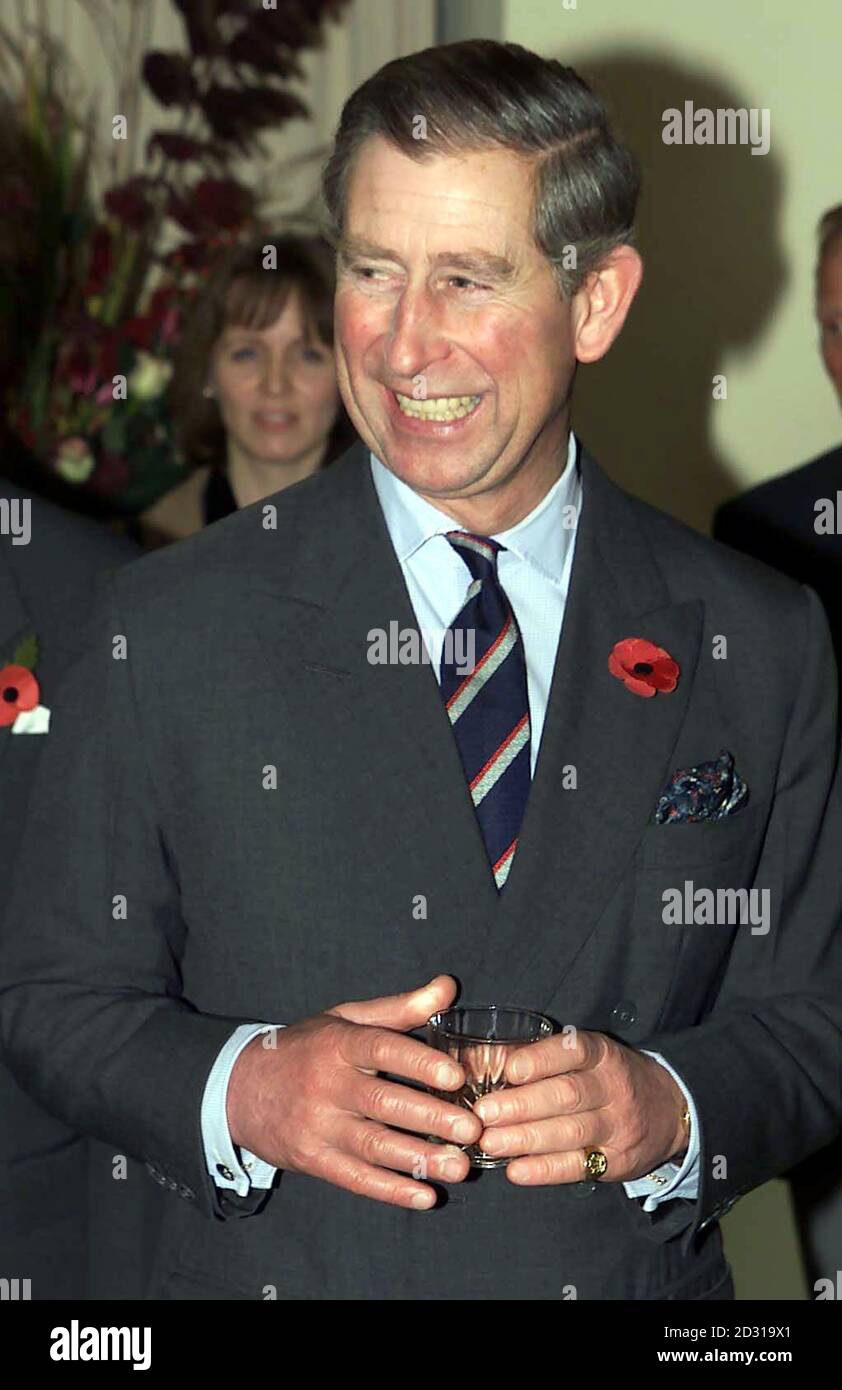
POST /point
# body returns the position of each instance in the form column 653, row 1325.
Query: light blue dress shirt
column 534, row 571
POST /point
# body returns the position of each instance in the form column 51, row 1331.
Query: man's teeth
column 437, row 407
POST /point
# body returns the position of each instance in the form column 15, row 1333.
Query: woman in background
column 254, row 396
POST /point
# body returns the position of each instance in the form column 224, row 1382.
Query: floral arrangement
column 105, row 279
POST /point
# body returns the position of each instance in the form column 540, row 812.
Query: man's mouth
column 441, row 408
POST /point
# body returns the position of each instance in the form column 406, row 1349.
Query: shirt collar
column 541, row 538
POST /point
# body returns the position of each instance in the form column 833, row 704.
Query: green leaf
column 26, row 652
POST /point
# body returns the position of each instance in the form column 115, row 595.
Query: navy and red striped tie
column 489, row 706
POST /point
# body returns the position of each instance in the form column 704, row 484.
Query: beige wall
column 728, row 238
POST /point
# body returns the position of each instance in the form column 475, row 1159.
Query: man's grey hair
column 830, row 228
column 480, row 94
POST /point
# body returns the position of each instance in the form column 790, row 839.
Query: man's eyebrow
column 478, row 262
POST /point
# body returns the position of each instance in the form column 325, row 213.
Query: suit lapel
column 576, row 842
column 387, row 722
column 14, row 624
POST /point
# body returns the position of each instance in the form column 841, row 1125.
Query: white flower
column 149, row 377
column 32, row 721
column 74, row 460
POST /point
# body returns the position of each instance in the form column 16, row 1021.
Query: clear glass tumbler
column 481, row 1037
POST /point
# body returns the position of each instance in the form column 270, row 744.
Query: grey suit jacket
column 246, row 650
column 47, row 588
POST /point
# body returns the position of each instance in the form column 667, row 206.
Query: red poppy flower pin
column 643, row 668
column 20, row 692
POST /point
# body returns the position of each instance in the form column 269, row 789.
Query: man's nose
column 415, row 337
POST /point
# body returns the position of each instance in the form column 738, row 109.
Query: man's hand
column 314, row 1103
column 582, row 1091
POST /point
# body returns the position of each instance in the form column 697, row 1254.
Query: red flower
column 101, row 262
column 130, row 202
column 222, row 203
column 107, row 356
column 79, row 369
column 164, row 312
column 642, row 667
column 18, row 691
column 111, row 475
column 169, row 77
column 141, row 331
column 188, row 255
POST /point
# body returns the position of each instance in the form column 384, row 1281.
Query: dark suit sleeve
column 91, row 1014
column 765, row 1067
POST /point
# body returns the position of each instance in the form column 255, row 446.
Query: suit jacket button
column 583, row 1189
column 185, row 1191
column 224, row 1172
column 624, row 1014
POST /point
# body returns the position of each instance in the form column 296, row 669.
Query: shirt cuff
column 230, row 1167
column 671, row 1179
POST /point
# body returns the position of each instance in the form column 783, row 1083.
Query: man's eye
column 465, row 281
column 240, row 354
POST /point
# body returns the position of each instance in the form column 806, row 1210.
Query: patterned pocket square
column 710, row 791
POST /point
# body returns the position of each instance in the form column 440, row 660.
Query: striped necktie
column 489, row 705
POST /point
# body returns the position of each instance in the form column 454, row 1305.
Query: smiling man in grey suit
column 274, row 822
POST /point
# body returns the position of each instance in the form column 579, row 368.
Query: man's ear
column 601, row 305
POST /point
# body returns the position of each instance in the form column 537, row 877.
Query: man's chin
column 421, row 470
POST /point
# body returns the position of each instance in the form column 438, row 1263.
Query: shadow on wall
column 708, row 234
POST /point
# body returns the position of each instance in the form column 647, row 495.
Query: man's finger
column 380, row 1184
column 394, row 1104
column 388, row 1148
column 561, row 1134
column 567, row 1094
column 381, row 1049
column 402, row 1011
column 563, row 1052
column 539, row 1170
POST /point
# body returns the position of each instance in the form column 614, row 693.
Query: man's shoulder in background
column 786, row 503
column 59, row 545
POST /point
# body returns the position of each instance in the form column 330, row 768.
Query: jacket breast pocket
column 691, row 843
column 694, row 890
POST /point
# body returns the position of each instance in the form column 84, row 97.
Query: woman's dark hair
column 481, row 94
column 245, row 290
